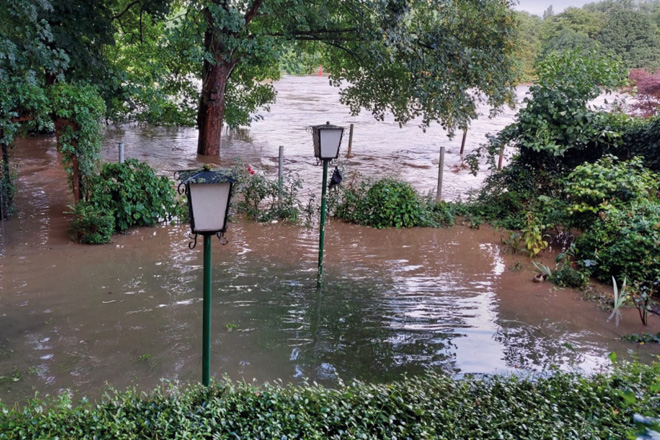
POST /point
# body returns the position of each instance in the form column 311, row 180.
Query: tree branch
column 252, row 12
column 129, row 6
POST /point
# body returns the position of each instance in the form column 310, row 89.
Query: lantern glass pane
column 209, row 205
column 330, row 139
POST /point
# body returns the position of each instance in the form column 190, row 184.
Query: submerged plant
column 263, row 199
column 619, row 299
column 543, row 269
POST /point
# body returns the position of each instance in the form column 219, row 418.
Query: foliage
column 7, row 188
column 528, row 45
column 642, row 338
column 543, row 269
column 569, row 271
column 25, row 56
column 389, row 203
column 647, row 88
column 507, row 196
column 560, row 405
column 82, row 107
column 633, row 36
column 556, row 117
column 531, row 239
column 557, row 130
column 416, row 59
column 533, row 236
column 153, row 79
column 625, row 243
column 619, row 299
column 133, row 194
column 596, row 189
column 299, row 62
column 426, row 59
column 642, row 138
column 90, row 225
column 572, row 29
column 263, row 199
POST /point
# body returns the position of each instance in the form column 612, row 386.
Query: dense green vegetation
column 614, row 28
column 561, row 405
column 389, row 203
column 579, row 172
column 123, row 195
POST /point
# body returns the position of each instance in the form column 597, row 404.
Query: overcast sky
column 537, row 7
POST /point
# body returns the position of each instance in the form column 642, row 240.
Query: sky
column 537, row 7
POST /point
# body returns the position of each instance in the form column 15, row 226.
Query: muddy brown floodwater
column 394, row 302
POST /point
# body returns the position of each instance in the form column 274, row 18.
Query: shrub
column 625, row 243
column 390, row 203
column 90, row 225
column 264, row 199
column 508, row 196
column 133, row 194
column 559, row 405
column 596, row 189
column 648, row 91
column 642, row 138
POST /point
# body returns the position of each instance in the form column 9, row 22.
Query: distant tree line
column 627, row 29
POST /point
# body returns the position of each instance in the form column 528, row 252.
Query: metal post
column 121, row 152
column 206, row 319
column 350, row 142
column 322, row 228
column 441, row 168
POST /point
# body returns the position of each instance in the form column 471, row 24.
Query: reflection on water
column 393, row 302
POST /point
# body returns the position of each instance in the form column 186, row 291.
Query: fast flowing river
column 394, row 302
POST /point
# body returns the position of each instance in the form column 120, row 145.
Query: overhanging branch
column 126, row 9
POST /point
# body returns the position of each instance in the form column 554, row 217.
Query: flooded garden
column 393, row 302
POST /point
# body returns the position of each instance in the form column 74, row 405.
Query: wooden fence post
column 350, row 142
column 441, row 167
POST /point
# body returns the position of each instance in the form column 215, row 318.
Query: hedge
column 555, row 406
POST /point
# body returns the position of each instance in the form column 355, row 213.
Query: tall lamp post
column 327, row 140
column 208, row 193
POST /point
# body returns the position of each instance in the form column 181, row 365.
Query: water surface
column 394, row 302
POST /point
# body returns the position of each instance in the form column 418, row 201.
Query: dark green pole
column 322, row 233
column 206, row 320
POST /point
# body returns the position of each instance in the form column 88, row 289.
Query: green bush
column 390, row 203
column 597, row 189
column 509, row 195
column 133, row 194
column 625, row 243
column 90, row 225
column 263, row 199
column 642, row 138
column 560, row 405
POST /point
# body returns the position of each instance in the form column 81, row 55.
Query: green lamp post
column 327, row 140
column 208, row 193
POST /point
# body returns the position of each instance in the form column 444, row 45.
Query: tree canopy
column 415, row 59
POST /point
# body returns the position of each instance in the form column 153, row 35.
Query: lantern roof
column 205, row 175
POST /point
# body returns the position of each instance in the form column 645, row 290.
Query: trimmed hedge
column 561, row 405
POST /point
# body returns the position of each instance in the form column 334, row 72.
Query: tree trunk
column 212, row 108
column 212, row 103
